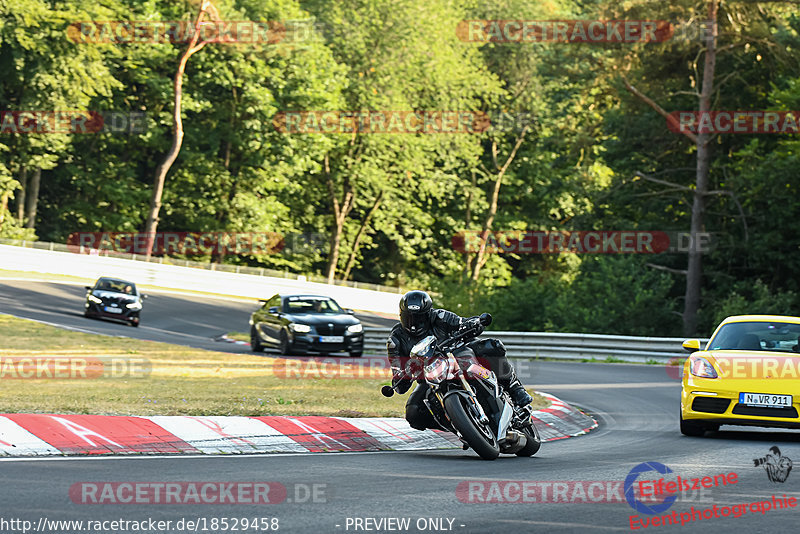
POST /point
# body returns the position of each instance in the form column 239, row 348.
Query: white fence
column 567, row 346
column 179, row 277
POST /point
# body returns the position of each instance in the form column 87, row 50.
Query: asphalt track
column 636, row 405
column 169, row 317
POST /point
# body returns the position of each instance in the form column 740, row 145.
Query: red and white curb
column 561, row 420
column 50, row 435
column 226, row 339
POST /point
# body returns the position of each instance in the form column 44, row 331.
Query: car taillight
column 701, row 367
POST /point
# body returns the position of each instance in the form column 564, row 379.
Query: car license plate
column 109, row 309
column 765, row 399
column 331, row 339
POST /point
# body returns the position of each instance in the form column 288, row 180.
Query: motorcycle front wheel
column 477, row 435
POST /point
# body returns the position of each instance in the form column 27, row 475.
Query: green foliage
column 573, row 171
column 750, row 298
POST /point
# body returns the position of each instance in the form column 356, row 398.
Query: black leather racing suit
column 490, row 352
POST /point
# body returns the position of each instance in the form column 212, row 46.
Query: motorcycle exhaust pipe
column 515, row 441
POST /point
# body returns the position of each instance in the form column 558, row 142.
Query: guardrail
column 220, row 267
column 188, row 278
column 531, row 345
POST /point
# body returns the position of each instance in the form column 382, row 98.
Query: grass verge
column 182, row 381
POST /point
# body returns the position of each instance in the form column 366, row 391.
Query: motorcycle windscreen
column 424, row 347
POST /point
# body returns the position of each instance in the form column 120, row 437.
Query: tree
column 365, row 170
column 207, row 9
column 744, row 27
column 42, row 71
column 701, row 140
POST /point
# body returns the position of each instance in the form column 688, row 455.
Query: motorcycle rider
column 419, row 319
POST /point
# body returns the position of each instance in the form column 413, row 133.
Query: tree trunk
column 32, row 200
column 695, row 268
column 351, row 260
column 694, row 271
column 340, row 212
column 151, row 226
column 468, row 220
column 23, row 187
column 3, row 208
column 480, row 258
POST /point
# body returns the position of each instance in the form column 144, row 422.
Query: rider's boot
column 518, row 394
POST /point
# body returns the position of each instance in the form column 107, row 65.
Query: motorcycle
column 465, row 397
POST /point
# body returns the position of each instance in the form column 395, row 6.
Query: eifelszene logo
column 776, row 465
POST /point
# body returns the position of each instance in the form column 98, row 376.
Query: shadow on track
column 770, row 436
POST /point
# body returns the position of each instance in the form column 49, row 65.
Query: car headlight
column 134, row 306
column 701, row 367
column 95, row 299
column 355, row 328
column 300, row 328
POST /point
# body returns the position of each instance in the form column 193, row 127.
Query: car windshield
column 757, row 335
column 119, row 286
column 311, row 305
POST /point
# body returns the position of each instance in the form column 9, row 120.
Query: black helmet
column 415, row 312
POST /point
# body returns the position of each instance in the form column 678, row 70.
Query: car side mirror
column 349, row 311
column 273, row 310
column 691, row 345
column 143, row 296
column 88, row 287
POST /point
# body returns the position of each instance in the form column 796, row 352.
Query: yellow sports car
column 748, row 374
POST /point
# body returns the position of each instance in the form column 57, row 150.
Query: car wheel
column 88, row 315
column 285, row 346
column 255, row 341
column 692, row 428
column 134, row 323
column 356, row 354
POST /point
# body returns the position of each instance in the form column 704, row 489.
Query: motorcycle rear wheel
column 534, row 441
column 476, row 434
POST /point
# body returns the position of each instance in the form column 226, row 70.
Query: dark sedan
column 112, row 298
column 296, row 324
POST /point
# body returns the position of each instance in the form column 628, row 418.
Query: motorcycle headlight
column 436, row 371
column 134, row 306
column 94, row 299
column 355, row 328
column 300, row 328
column 701, row 367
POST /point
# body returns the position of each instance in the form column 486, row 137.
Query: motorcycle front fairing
column 487, row 403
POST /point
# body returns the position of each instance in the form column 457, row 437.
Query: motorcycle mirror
column 387, row 391
column 486, row 319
